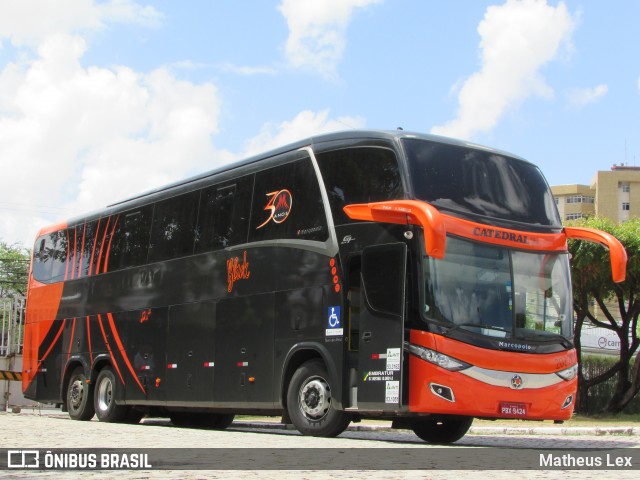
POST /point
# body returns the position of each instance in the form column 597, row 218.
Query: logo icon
column 279, row 205
column 347, row 239
column 516, row 382
column 23, row 459
column 602, row 342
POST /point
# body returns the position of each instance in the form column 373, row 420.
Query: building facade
column 613, row 194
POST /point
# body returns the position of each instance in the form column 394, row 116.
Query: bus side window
column 85, row 234
column 224, row 215
column 173, row 229
column 359, row 175
column 288, row 204
column 51, row 257
column 131, row 239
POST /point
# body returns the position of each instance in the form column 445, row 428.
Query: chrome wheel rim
column 315, row 398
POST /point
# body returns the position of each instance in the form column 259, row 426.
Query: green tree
column 14, row 269
column 619, row 304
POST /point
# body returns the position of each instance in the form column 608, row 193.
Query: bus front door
column 381, row 327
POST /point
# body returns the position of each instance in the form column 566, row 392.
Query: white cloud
column 29, row 22
column 74, row 138
column 317, row 30
column 579, row 97
column 305, row 124
column 638, row 84
column 517, row 39
column 80, row 138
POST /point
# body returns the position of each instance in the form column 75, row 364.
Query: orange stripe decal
column 106, row 256
column 84, row 232
column 93, row 250
column 55, row 340
column 75, row 255
column 104, row 335
column 104, row 239
column 122, row 350
column 66, row 264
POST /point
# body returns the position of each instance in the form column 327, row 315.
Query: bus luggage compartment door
column 382, row 327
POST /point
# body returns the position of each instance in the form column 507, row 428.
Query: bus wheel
column 441, row 428
column 105, row 398
column 80, row 396
column 309, row 402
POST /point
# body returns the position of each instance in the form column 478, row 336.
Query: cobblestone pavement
column 48, row 430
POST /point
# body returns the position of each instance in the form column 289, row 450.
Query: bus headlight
column 436, row 358
column 568, row 373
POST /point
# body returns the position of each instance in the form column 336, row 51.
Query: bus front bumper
column 487, row 393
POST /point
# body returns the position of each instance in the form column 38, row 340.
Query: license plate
column 509, row 409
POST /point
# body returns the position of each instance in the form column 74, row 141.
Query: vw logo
column 516, row 382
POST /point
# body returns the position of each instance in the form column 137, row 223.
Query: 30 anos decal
column 278, row 206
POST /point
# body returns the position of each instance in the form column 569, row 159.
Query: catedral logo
column 500, row 235
column 279, row 206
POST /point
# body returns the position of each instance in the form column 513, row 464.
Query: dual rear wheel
column 85, row 400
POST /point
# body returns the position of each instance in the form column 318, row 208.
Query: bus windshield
column 499, row 292
column 479, row 182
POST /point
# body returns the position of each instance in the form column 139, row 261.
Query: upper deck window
column 287, row 204
column 478, row 182
column 359, row 175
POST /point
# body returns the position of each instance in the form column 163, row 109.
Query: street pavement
column 48, row 429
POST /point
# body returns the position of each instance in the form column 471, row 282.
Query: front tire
column 310, row 403
column 442, row 429
column 106, row 392
column 80, row 396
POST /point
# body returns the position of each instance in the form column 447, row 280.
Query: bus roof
column 389, row 135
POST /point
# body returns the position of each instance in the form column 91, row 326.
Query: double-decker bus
column 353, row 275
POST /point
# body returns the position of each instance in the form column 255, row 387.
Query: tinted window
column 131, row 239
column 84, row 237
column 479, row 182
column 287, row 204
column 359, row 175
column 224, row 215
column 50, row 257
column 174, row 227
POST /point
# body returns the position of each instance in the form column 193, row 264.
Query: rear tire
column 106, row 392
column 80, row 396
column 442, row 429
column 310, row 404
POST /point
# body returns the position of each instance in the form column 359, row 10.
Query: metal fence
column 11, row 325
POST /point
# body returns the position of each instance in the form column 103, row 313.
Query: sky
column 102, row 100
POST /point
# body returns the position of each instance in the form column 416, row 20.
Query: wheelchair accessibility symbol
column 334, row 326
column 334, row 318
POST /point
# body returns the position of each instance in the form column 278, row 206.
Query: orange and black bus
column 353, row 275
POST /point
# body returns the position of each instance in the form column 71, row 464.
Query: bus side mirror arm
column 616, row 250
column 405, row 212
